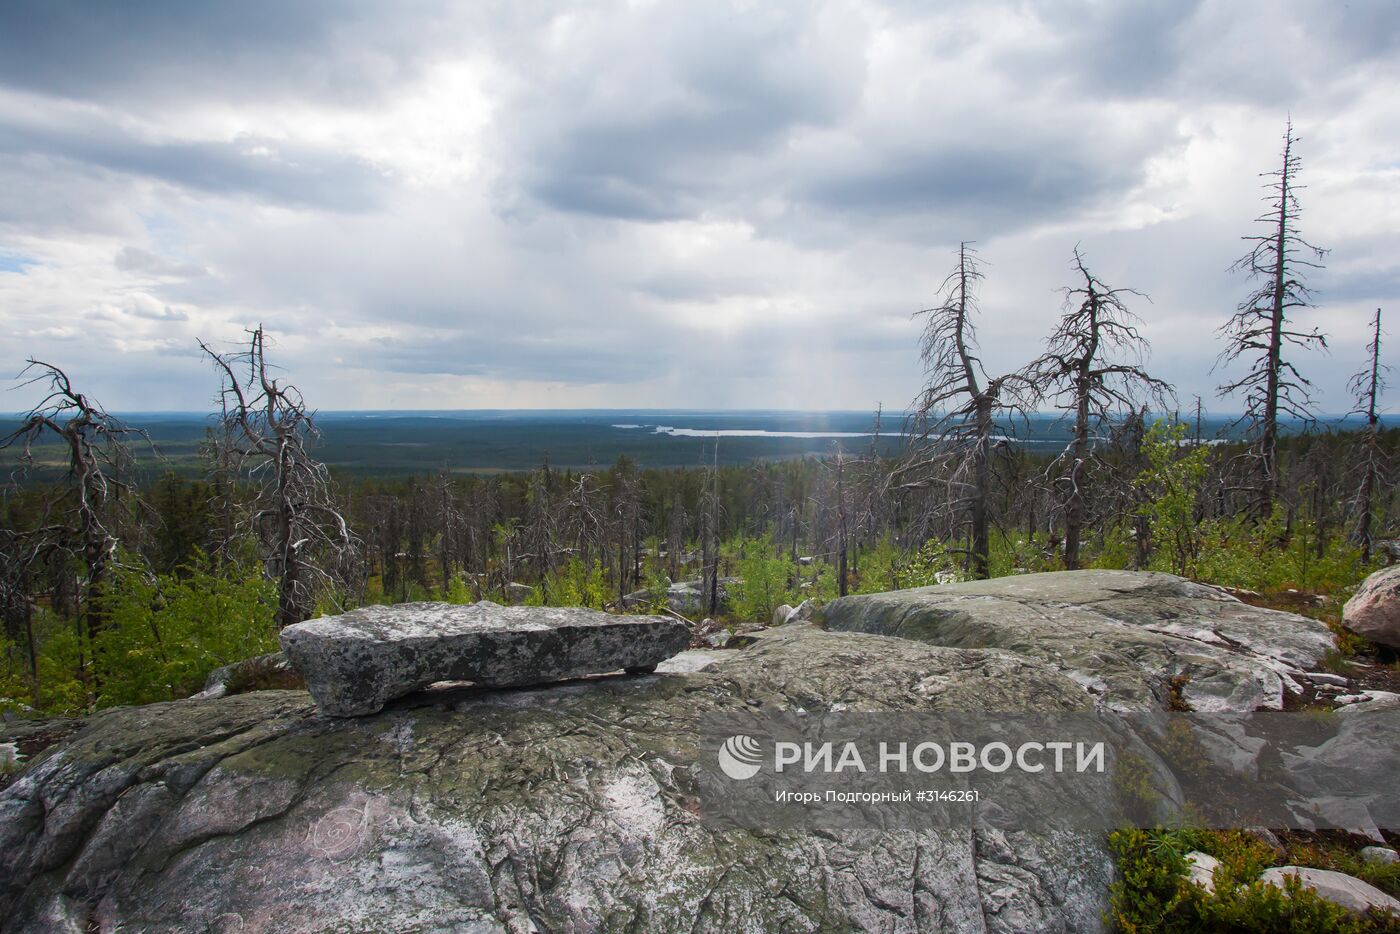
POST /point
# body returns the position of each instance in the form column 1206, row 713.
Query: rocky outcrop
column 260, row 673
column 1136, row 640
column 1374, row 610
column 355, row 662
column 1337, row 887
column 684, row 597
column 564, row 807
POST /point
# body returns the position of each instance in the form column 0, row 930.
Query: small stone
column 1337, row 887
column 781, row 614
column 803, row 613
column 357, row 662
column 718, row 640
column 1322, row 677
column 1267, row 837
column 1200, row 869
column 1380, row 855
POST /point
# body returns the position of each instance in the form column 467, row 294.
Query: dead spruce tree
column 954, row 425
column 1261, row 332
column 1091, row 371
column 305, row 544
column 81, row 522
column 710, row 509
column 1366, row 387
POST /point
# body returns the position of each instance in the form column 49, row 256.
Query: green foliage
column 573, row 585
column 59, row 690
column 765, row 580
column 824, row 585
column 657, row 587
column 1170, row 484
column 886, row 567
column 1010, row 554
column 1153, row 893
column 458, row 591
column 1267, row 557
column 164, row 634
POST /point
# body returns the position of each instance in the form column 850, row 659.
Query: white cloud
column 691, row 204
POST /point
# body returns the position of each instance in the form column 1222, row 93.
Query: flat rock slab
column 1131, row 637
column 357, row 662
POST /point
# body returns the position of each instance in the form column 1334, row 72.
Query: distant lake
column 396, row 443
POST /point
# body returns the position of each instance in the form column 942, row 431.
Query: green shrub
column 165, row 633
column 765, row 582
column 1153, row 893
column 1170, row 482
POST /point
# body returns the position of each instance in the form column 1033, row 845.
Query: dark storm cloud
column 993, row 187
column 267, row 169
column 652, row 120
column 338, row 50
column 1118, row 49
column 691, row 196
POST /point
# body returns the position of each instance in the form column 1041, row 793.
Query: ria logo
column 740, row 757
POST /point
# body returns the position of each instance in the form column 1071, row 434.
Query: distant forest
column 123, row 583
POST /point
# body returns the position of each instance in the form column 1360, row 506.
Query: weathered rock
column 1374, row 610
column 356, row 662
column 719, row 638
column 1366, row 701
column 781, row 614
column 1200, row 869
column 689, row 599
column 555, row 808
column 1270, row 839
column 803, row 612
column 1380, row 855
column 1138, row 639
column 690, row 661
column 1337, row 887
column 258, row 673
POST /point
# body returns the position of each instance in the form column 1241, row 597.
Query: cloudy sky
column 655, row 204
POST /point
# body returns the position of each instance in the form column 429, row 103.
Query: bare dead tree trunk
column 1091, row 370
column 709, row 537
column 952, row 432
column 1366, row 386
column 1260, row 330
column 98, row 459
column 305, row 540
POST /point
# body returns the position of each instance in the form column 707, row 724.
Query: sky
column 667, row 205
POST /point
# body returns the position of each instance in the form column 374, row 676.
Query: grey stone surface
column 1200, row 869
column 688, row 597
column 357, row 662
column 1380, row 855
column 719, row 638
column 691, row 660
column 1374, row 610
column 217, row 684
column 1132, row 638
column 1337, row 887
column 780, row 615
column 564, row 807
